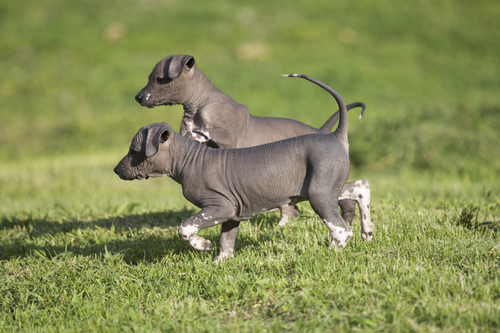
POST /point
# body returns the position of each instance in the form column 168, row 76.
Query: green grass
column 424, row 271
column 81, row 250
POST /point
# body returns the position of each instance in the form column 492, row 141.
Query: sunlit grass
column 82, row 250
column 422, row 271
column 90, row 251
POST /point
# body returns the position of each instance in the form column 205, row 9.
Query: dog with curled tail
column 213, row 118
column 233, row 185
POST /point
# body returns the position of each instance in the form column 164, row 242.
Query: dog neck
column 201, row 93
column 185, row 156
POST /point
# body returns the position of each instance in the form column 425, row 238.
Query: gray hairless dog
column 213, row 118
column 232, row 185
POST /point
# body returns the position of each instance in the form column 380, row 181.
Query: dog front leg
column 205, row 218
column 215, row 137
column 229, row 231
column 198, row 135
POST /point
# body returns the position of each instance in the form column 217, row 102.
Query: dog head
column 168, row 81
column 149, row 154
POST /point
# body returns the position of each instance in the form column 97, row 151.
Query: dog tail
column 341, row 131
column 328, row 126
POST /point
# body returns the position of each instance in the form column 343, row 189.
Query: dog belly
column 252, row 210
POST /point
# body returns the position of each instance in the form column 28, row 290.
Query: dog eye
column 134, row 152
column 159, row 79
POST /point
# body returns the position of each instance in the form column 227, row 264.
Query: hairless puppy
column 214, row 119
column 233, row 185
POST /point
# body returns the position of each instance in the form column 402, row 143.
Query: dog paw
column 367, row 232
column 340, row 238
column 200, row 243
column 334, row 245
column 284, row 220
column 221, row 257
column 367, row 236
column 337, row 245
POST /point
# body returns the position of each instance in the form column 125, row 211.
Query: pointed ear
column 177, row 65
column 154, row 138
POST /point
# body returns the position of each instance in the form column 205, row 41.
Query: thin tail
column 341, row 131
column 327, row 127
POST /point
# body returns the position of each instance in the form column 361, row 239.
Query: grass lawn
column 433, row 265
column 83, row 251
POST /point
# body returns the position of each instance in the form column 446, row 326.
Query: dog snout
column 117, row 170
column 139, row 97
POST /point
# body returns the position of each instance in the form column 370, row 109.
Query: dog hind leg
column 360, row 192
column 340, row 232
column 227, row 239
column 288, row 212
column 348, row 208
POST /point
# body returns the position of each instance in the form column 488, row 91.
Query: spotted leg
column 340, row 232
column 207, row 217
column 215, row 137
column 348, row 207
column 360, row 191
column 199, row 136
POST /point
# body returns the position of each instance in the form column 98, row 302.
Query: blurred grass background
column 428, row 71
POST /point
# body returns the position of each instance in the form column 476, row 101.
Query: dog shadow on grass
column 144, row 237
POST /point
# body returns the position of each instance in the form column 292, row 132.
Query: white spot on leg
column 359, row 191
column 198, row 135
column 200, row 243
column 353, row 191
column 187, row 232
column 205, row 217
column 202, row 136
column 340, row 236
column 283, row 221
column 188, row 124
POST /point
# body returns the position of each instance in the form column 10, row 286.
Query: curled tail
column 341, row 131
column 327, row 127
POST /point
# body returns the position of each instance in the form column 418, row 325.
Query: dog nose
column 138, row 97
column 117, row 171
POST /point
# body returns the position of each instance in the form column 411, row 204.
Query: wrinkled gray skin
column 213, row 118
column 232, row 185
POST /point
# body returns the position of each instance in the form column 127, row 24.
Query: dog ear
column 151, row 143
column 178, row 63
column 154, row 138
column 164, row 135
